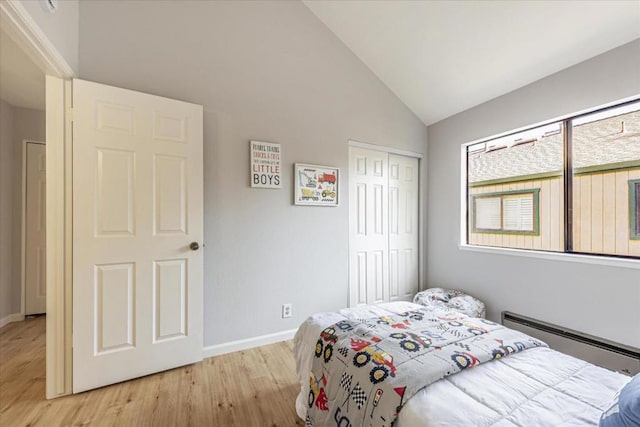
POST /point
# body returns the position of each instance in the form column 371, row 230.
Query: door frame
column 23, row 224
column 422, row 197
column 29, row 37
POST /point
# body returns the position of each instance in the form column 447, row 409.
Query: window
column 514, row 212
column 634, row 208
column 605, row 148
column 568, row 186
column 515, row 190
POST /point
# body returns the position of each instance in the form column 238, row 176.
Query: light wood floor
column 249, row 388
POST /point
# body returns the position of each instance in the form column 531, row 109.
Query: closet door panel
column 403, row 229
column 369, row 227
column 383, row 215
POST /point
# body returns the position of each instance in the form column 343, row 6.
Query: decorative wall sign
column 315, row 185
column 265, row 165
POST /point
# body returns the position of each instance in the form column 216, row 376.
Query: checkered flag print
column 344, row 351
column 359, row 396
column 345, row 381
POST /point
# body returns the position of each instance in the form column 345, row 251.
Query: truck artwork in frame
column 315, row 185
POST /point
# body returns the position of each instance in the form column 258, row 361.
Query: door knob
column 194, row 246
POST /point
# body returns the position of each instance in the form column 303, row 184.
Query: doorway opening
column 29, row 61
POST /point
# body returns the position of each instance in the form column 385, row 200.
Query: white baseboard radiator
column 608, row 354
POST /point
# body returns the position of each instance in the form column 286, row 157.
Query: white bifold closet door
column 383, row 224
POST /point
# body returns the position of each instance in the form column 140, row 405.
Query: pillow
column 453, row 299
column 624, row 411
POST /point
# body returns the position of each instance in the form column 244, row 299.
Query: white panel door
column 368, row 240
column 403, row 227
column 35, row 230
column 137, row 207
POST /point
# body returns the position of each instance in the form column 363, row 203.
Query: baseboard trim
column 230, row 347
column 16, row 317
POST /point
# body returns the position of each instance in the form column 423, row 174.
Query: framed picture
column 265, row 164
column 315, row 185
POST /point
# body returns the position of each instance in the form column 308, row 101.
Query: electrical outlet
column 286, row 310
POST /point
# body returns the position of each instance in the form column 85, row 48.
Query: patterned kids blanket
column 365, row 370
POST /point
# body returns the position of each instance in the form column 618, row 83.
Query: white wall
column 596, row 299
column 16, row 124
column 61, row 27
column 7, row 183
column 269, row 71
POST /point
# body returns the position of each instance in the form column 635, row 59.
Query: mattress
column 535, row 387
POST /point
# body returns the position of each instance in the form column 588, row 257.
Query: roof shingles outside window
column 607, row 143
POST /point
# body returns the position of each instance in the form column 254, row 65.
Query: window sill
column 556, row 256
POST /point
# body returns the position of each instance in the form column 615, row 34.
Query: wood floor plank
column 250, row 388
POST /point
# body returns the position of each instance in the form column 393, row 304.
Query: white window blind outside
column 517, row 212
column 487, row 213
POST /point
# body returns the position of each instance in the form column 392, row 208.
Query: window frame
column 567, row 174
column 634, row 201
column 535, row 192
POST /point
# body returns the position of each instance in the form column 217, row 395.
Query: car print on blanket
column 364, row 371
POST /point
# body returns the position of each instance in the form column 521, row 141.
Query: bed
column 533, row 386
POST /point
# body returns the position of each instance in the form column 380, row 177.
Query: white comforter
column 537, row 387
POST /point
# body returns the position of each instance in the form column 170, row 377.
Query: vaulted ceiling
column 443, row 57
column 438, row 57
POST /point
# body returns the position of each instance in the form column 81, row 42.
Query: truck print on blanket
column 364, row 371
